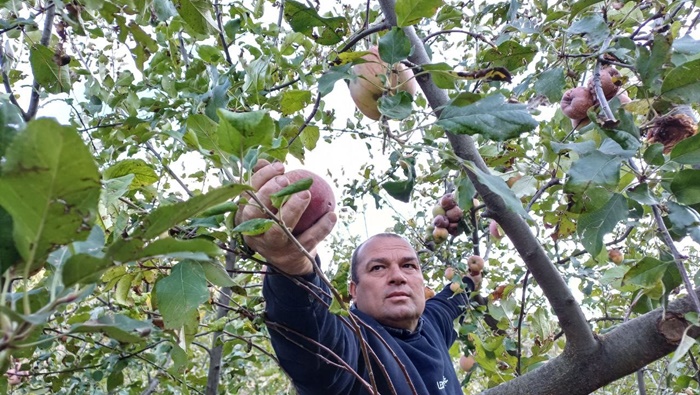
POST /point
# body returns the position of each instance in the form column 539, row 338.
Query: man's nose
column 396, row 275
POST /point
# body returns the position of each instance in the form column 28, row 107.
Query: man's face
column 390, row 282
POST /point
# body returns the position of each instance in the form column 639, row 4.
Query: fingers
column 294, row 207
column 265, row 173
column 318, row 231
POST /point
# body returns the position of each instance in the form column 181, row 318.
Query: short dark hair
column 353, row 260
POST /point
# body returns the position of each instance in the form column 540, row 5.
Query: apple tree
column 565, row 131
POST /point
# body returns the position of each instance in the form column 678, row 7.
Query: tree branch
column 45, row 37
column 624, row 350
column 477, row 36
column 571, row 318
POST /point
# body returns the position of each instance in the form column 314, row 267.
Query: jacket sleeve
column 298, row 322
column 443, row 308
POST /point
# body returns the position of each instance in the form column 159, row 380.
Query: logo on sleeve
column 442, row 383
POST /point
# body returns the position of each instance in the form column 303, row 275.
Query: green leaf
column 654, row 155
column 686, row 186
column 305, row 20
column 216, row 274
column 496, row 185
column 197, row 14
column 647, row 273
column 682, row 84
column 239, row 131
column 650, row 62
column 551, row 84
column 309, row 136
column 84, row 269
column 196, row 249
column 143, row 173
column 594, row 170
column 398, row 106
column 410, row 12
column 205, row 129
column 510, row 54
column 9, row 256
column 254, row 226
column 682, row 217
column 50, row 186
column 642, row 194
column 164, row 9
column 492, row 116
column 279, row 197
column 46, row 71
column 687, row 153
column 400, row 190
column 294, row 100
column 593, row 27
column 327, row 81
column 593, row 226
column 232, row 27
column 118, row 327
column 394, row 46
column 165, row 217
column 181, row 293
column 11, row 123
column 442, row 73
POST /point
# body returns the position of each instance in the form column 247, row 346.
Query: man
column 406, row 337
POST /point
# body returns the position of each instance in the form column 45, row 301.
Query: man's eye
column 410, row 265
column 375, row 268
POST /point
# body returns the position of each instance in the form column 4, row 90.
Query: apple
column 466, row 362
column 495, row 230
column 441, row 221
column 454, row 214
column 428, row 292
column 448, row 201
column 576, row 102
column 449, row 273
column 438, row 210
column 616, row 256
column 440, row 235
column 368, row 87
column 455, row 287
column 322, row 199
column 475, row 263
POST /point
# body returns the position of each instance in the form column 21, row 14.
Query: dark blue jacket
column 424, row 353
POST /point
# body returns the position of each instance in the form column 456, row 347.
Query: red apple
column 322, row 199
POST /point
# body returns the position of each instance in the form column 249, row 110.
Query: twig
column 677, row 257
column 477, row 36
column 308, row 119
column 168, row 169
column 377, row 27
column 6, row 83
column 600, row 95
column 222, row 38
column 45, row 37
column 282, row 86
column 152, row 386
column 520, row 322
column 552, row 182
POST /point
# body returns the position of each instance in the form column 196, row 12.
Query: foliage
column 123, row 269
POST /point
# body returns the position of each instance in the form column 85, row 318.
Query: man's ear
column 352, row 290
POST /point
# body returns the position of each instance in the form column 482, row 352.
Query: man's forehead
column 386, row 244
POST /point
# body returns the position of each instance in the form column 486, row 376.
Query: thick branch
column 623, row 351
column 571, row 318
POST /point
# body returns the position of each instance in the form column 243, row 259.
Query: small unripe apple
column 440, row 235
column 455, row 287
column 441, row 221
column 322, row 199
column 576, row 102
column 466, row 362
column 438, row 210
column 475, row 263
column 428, row 292
column 616, row 256
column 449, row 273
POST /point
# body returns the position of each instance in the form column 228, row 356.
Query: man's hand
column 275, row 245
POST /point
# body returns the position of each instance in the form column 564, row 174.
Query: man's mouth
column 397, row 295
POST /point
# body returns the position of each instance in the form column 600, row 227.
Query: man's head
column 387, row 282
